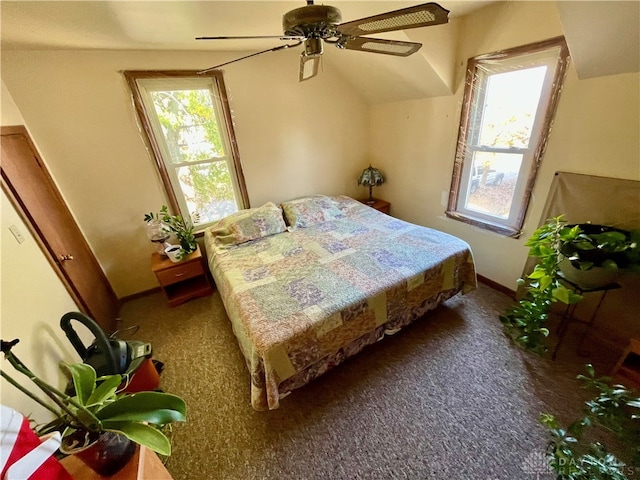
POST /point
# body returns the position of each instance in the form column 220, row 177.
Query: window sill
column 493, row 227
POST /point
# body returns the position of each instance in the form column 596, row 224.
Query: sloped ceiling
column 172, row 25
column 602, row 36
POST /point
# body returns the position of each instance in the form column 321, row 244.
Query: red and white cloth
column 24, row 455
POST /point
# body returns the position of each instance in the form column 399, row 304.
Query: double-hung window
column 508, row 106
column 187, row 122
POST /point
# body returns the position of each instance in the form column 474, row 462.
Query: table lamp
column 370, row 177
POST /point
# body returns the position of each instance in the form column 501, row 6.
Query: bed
column 311, row 282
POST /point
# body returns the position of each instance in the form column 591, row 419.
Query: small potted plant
column 179, row 227
column 98, row 423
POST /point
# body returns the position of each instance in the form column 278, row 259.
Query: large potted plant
column 525, row 322
column 561, row 248
column 183, row 230
column 98, row 423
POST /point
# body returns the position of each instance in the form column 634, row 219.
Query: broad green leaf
column 142, row 434
column 537, row 273
column 574, row 297
column 84, row 380
column 154, row 407
column 561, row 293
column 105, row 390
column 545, row 282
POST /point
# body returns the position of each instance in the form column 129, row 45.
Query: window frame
column 538, row 139
column 226, row 123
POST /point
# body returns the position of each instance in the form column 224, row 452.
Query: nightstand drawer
column 179, row 273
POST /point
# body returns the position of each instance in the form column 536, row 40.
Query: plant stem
column 53, row 393
column 28, row 393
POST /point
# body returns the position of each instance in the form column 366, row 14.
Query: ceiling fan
column 313, row 24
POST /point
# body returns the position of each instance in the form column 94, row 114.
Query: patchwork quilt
column 303, row 299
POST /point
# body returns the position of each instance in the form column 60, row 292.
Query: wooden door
column 28, row 184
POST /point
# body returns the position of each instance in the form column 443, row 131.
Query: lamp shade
column 370, row 177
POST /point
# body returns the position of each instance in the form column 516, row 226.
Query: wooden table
column 144, row 465
column 183, row 280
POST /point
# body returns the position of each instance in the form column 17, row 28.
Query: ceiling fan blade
column 380, row 45
column 308, row 66
column 412, row 17
column 274, row 49
column 252, row 37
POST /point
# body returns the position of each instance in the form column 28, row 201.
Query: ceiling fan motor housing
column 315, row 21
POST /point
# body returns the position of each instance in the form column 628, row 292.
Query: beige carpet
column 446, row 398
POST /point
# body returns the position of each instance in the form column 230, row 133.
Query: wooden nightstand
column 380, row 205
column 181, row 281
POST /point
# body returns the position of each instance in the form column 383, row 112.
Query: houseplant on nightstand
column 179, row 227
column 98, row 420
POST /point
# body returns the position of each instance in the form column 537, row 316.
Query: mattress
column 302, row 300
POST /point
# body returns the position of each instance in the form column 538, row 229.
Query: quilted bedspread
column 298, row 297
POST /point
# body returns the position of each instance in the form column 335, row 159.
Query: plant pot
column 174, row 253
column 105, row 455
column 595, row 277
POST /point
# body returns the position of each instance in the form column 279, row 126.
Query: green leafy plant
column 97, row 406
column 602, row 246
column 616, row 409
column 183, row 231
column 585, row 246
column 525, row 322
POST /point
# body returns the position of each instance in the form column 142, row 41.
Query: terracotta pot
column 105, row 455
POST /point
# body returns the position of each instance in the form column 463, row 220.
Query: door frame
column 41, row 241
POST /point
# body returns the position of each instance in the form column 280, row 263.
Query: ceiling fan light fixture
column 308, row 66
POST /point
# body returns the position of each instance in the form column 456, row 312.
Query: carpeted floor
column 446, row 398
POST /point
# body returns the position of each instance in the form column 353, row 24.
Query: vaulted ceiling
column 592, row 34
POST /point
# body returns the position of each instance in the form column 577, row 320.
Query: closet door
column 35, row 196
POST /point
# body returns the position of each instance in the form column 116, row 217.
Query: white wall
column 32, row 300
column 294, row 139
column 596, row 131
